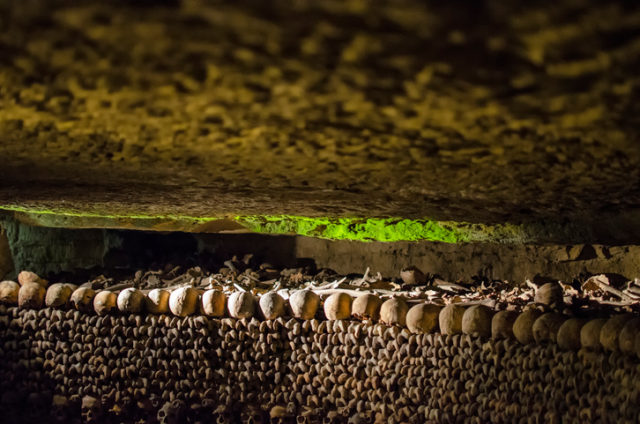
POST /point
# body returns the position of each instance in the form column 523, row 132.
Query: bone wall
column 66, row 366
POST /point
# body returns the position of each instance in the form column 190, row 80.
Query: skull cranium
column 91, row 410
column 172, row 412
column 59, row 408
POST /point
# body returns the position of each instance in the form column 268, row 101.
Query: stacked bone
column 169, row 364
column 539, row 322
column 139, row 368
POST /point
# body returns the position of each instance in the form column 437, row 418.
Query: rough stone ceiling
column 486, row 113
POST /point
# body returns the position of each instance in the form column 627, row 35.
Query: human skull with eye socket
column 91, row 410
column 60, row 409
column 172, row 412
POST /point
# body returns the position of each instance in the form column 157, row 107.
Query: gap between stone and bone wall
column 55, row 250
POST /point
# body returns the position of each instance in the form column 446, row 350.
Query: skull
column 272, row 305
column 155, row 400
column 58, row 295
column 9, row 292
column 252, row 416
column 125, row 405
column 184, row 301
column 208, row 405
column 104, row 302
column 172, row 412
column 213, row 303
column 304, row 304
column 359, row 419
column 241, row 305
column 60, row 409
column 31, row 295
column 423, row 318
column 412, row 276
column 337, row 306
column 131, row 300
column 195, row 412
column 394, row 311
column 220, row 414
column 366, row 306
column 37, row 405
column 91, row 410
column 157, row 301
column 145, row 409
column 82, row 299
column 31, row 277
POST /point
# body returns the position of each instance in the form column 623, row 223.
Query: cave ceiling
column 488, row 113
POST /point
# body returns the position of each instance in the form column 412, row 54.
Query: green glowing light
column 360, row 229
column 334, row 228
column 76, row 214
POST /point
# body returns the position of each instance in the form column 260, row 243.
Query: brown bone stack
column 146, row 367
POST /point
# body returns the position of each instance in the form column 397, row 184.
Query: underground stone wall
column 6, row 258
column 59, row 250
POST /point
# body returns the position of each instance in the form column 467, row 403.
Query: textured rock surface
column 483, row 113
column 47, row 250
column 6, row 259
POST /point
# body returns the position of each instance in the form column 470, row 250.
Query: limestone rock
column 6, row 259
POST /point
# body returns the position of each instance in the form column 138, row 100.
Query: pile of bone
column 60, row 365
column 539, row 322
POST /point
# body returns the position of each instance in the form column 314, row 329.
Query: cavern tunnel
column 319, row 211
